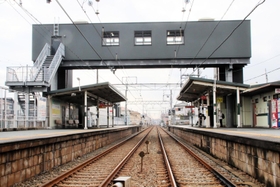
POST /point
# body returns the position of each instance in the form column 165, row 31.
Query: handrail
column 11, row 74
column 50, row 72
column 42, row 56
column 39, row 61
column 30, row 73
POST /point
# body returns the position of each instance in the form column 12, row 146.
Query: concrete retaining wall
column 20, row 161
column 260, row 159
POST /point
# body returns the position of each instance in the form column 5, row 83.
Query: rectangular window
column 110, row 38
column 175, row 37
column 143, row 37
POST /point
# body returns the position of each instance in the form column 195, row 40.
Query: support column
column 97, row 113
column 171, row 114
column 238, row 107
column 85, row 110
column 35, row 111
column 5, row 110
column 50, row 111
column 214, row 106
column 107, row 117
column 125, row 115
column 16, row 104
column 26, row 112
column 112, row 116
column 207, row 116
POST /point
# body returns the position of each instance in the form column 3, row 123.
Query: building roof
column 261, row 88
column 104, row 91
column 195, row 87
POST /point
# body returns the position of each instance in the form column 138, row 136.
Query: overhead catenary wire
column 117, row 58
column 230, row 34
column 87, row 39
column 34, row 19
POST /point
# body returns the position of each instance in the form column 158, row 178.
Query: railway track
column 151, row 158
column 97, row 171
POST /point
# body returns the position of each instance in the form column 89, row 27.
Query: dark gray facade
column 84, row 44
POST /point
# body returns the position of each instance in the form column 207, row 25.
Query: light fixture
column 79, row 83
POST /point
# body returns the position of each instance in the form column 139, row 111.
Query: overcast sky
column 17, row 17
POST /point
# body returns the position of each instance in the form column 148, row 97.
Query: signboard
column 189, row 106
column 277, row 90
column 274, row 113
column 56, row 111
column 203, row 97
column 101, row 105
column 220, row 99
column 41, row 108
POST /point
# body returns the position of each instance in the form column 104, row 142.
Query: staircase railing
column 39, row 61
column 50, row 72
column 12, row 75
column 18, row 74
column 37, row 72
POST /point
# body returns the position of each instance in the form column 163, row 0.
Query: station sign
column 203, row 97
column 189, row 106
column 220, row 99
column 101, row 105
column 277, row 90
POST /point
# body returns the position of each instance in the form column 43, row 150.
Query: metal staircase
column 22, row 104
column 38, row 77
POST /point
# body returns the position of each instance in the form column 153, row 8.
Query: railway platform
column 27, row 135
column 255, row 151
column 262, row 134
column 25, row 154
column 265, row 134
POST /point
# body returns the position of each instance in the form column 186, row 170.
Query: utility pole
column 266, row 77
column 126, row 88
column 171, row 116
column 125, row 116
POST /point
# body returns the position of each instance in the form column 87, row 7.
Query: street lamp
column 79, row 83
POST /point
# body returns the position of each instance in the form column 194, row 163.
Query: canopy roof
column 104, row 91
column 195, row 87
column 262, row 88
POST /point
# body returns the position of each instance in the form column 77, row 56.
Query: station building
column 224, row 45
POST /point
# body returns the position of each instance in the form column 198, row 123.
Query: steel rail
column 168, row 166
column 222, row 178
column 82, row 165
column 111, row 176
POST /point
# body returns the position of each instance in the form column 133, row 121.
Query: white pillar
column 50, row 112
column 97, row 113
column 5, row 110
column 26, row 112
column 125, row 115
column 16, row 104
column 214, row 105
column 238, row 108
column 108, row 116
column 112, row 116
column 207, row 112
column 85, row 110
column 35, row 111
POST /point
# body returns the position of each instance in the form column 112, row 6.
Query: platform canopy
column 196, row 88
column 105, row 92
column 263, row 88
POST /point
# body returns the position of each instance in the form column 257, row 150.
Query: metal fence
column 13, row 112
